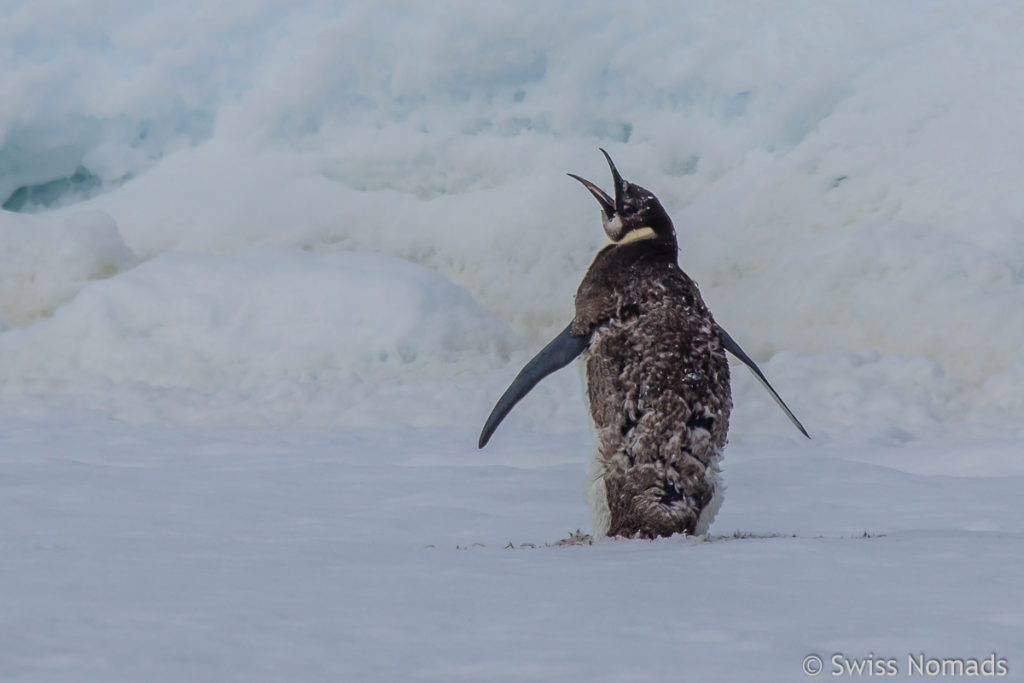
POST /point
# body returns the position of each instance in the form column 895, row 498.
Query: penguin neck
column 659, row 231
column 635, row 235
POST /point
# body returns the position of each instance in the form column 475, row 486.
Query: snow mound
column 45, row 260
column 254, row 323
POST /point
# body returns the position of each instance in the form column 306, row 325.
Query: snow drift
column 841, row 178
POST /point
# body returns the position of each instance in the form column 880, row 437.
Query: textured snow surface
column 160, row 553
column 273, row 264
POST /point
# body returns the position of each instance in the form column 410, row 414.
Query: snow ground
column 158, row 553
column 243, row 369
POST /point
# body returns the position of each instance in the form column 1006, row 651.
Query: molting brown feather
column 658, row 388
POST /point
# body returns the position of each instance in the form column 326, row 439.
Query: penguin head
column 635, row 213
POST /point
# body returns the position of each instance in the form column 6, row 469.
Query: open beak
column 609, row 206
column 620, row 184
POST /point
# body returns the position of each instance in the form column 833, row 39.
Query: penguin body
column 658, row 392
column 657, row 377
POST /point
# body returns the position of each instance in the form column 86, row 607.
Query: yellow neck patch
column 644, row 233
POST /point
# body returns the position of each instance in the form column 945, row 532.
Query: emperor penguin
column 657, row 377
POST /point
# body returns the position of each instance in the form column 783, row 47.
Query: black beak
column 609, row 207
column 620, row 184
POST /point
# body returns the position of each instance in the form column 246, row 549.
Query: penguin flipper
column 561, row 351
column 732, row 347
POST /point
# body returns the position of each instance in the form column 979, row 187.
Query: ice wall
column 843, row 177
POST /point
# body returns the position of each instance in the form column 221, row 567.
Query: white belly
column 593, row 486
